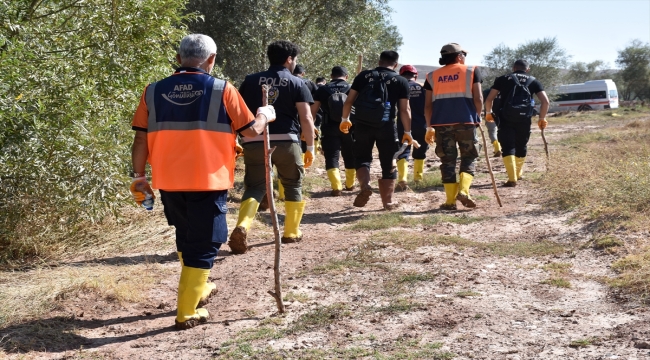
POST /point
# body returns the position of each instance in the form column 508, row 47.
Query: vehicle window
column 613, row 94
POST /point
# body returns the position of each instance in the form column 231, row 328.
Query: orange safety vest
column 453, row 102
column 190, row 134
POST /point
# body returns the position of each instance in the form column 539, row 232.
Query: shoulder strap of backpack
column 514, row 77
column 529, row 81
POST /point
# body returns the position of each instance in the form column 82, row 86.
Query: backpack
column 370, row 105
column 518, row 105
column 335, row 104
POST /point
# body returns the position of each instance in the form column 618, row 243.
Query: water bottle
column 386, row 116
column 148, row 201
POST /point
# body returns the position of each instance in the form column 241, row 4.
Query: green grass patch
column 633, row 274
column 429, row 180
column 319, row 317
column 299, row 297
column 557, row 282
column 557, row 268
column 606, row 242
column 583, row 342
column 481, row 197
column 412, row 241
column 467, row 293
column 414, row 277
column 391, row 220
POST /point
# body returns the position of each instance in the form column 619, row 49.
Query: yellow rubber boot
column 335, row 179
column 511, row 170
column 463, row 190
column 208, row 290
column 292, row 217
column 190, row 289
column 247, row 210
column 451, row 190
column 280, row 190
column 350, row 175
column 497, row 148
column 519, row 162
column 402, row 170
column 418, row 169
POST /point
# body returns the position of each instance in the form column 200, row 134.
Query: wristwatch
column 136, row 174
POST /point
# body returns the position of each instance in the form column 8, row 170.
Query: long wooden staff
column 548, row 157
column 487, row 158
column 274, row 216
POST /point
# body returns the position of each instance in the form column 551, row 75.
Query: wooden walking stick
column 548, row 157
column 487, row 158
column 274, row 216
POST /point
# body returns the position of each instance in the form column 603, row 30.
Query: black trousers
column 385, row 137
column 336, row 144
column 200, row 221
column 514, row 137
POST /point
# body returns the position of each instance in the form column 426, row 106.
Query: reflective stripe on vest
column 439, row 90
column 272, row 137
column 211, row 123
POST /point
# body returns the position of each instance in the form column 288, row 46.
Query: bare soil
column 349, row 294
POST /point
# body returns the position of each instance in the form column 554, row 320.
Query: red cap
column 408, row 68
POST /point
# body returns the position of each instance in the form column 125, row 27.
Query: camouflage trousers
column 448, row 140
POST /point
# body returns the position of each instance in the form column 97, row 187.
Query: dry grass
column 32, row 294
column 634, row 274
column 604, row 176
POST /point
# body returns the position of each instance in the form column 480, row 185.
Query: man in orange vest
column 452, row 104
column 185, row 127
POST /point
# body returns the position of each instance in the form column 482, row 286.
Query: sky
column 588, row 30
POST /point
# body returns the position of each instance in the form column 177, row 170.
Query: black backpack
column 518, row 105
column 370, row 104
column 335, row 102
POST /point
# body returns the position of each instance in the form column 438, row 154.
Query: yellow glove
column 407, row 138
column 489, row 117
column 542, row 124
column 309, row 156
column 239, row 151
column 140, row 189
column 430, row 136
column 345, row 126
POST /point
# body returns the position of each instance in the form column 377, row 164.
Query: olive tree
column 634, row 62
column 329, row 32
column 72, row 75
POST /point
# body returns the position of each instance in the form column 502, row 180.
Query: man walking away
column 291, row 99
column 372, row 105
column 331, row 98
column 453, row 101
column 514, row 115
column 179, row 120
column 418, row 126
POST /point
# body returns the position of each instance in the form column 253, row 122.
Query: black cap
column 339, row 71
column 299, row 70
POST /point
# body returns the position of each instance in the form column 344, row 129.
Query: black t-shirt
column 478, row 78
column 504, row 84
column 416, row 101
column 324, row 92
column 398, row 86
column 286, row 90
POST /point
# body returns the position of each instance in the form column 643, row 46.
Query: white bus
column 590, row 95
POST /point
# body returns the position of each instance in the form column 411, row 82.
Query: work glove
column 239, row 151
column 268, row 111
column 542, row 124
column 345, row 126
column 140, row 188
column 430, row 136
column 489, row 117
column 309, row 156
column 407, row 138
column 316, row 132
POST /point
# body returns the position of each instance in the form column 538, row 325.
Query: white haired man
column 185, row 127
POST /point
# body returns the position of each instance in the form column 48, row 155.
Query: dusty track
column 471, row 299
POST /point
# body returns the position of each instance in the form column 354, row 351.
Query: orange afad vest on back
column 452, row 95
column 190, row 135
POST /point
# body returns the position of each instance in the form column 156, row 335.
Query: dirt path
column 490, row 283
